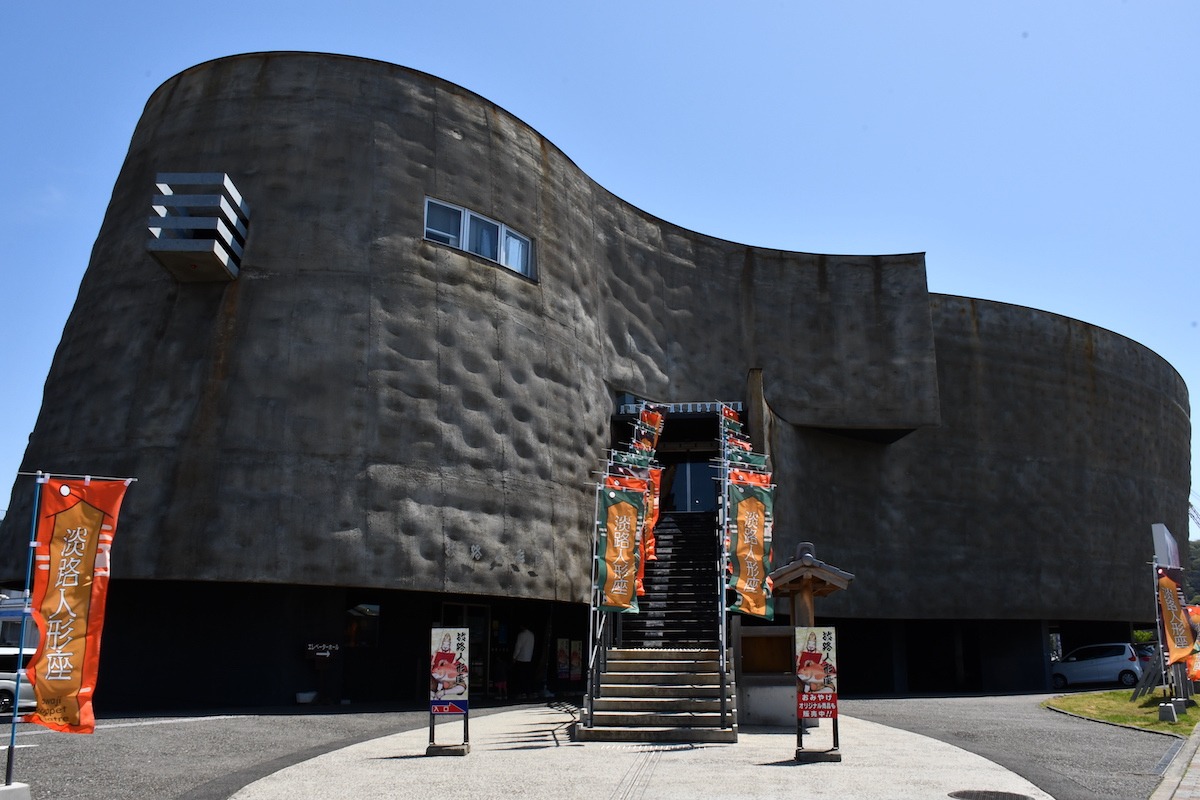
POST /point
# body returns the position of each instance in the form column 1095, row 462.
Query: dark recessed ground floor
column 179, row 645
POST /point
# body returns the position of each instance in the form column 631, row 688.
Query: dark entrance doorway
column 689, row 486
column 688, row 450
column 678, row 598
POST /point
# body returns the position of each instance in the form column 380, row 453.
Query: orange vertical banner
column 77, row 521
column 1193, row 660
column 751, row 519
column 620, row 511
column 1176, row 627
column 652, row 513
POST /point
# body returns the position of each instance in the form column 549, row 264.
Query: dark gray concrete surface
column 188, row 757
column 366, row 408
column 392, row 403
column 1068, row 757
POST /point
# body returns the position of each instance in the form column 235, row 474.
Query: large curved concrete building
column 390, row 414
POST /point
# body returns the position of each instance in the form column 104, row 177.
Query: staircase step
column 677, row 719
column 660, row 640
column 626, row 691
column 661, row 678
column 650, row 644
column 651, row 667
column 640, row 734
column 681, row 654
column 700, row 637
column 692, row 629
column 659, row 704
column 693, row 600
column 681, row 625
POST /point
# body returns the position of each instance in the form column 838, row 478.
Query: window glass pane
column 442, row 223
column 702, row 486
column 516, row 252
column 483, row 238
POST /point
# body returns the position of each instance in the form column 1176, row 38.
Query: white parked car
column 1097, row 663
column 8, row 692
column 12, row 617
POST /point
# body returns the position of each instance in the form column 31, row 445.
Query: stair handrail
column 597, row 660
column 722, row 623
column 722, row 568
column 599, row 629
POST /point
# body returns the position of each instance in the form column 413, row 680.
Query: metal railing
column 600, row 634
column 723, row 565
column 722, row 630
column 599, row 629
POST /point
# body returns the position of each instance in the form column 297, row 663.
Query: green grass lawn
column 1115, row 707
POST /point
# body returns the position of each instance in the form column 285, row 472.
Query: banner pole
column 45, row 476
column 1159, row 628
column 12, row 735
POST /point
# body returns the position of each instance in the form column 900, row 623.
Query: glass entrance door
column 693, row 486
column 477, row 619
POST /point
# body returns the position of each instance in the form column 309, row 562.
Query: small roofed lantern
column 806, row 578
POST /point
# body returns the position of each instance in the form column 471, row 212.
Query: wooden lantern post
column 803, row 580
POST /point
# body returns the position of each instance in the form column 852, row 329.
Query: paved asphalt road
column 209, row 757
column 1070, row 758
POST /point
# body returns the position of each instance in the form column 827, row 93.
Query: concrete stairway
column 660, row 695
column 679, row 609
column 663, row 683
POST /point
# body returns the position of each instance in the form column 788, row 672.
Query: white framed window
column 464, row 229
column 517, row 253
column 443, row 223
column 483, row 237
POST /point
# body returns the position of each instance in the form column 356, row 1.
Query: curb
column 1173, row 774
column 1118, row 724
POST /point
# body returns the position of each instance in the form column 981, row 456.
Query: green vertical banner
column 617, row 544
column 751, row 515
column 745, row 459
column 641, row 486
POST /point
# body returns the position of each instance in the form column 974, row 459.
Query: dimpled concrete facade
column 363, row 407
column 1060, row 443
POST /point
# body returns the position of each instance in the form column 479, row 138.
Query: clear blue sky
column 1044, row 154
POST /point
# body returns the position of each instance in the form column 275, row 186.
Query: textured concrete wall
column 1060, row 444
column 366, row 408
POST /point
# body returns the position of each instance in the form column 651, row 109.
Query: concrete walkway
column 528, row 752
column 1181, row 779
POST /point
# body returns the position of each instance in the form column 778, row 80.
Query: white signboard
column 448, row 661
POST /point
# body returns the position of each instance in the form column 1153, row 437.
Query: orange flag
column 1176, row 626
column 76, row 524
column 747, row 478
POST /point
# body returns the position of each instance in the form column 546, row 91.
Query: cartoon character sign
column 448, row 670
column 814, row 670
column 816, row 673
